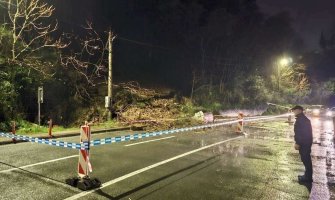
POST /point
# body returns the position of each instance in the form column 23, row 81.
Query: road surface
column 206, row 164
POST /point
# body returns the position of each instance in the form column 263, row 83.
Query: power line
column 144, row 44
column 218, row 59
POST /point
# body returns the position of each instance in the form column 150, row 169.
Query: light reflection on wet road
column 323, row 158
column 262, row 165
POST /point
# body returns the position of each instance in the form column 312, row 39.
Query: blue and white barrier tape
column 136, row 136
column 57, row 143
column 86, row 145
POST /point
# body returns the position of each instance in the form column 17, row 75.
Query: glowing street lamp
column 283, row 61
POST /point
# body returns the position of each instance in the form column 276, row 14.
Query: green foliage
column 25, row 127
column 108, row 124
column 247, row 92
column 254, row 91
column 274, row 110
column 189, row 108
column 5, row 126
column 291, row 85
column 212, row 107
column 322, row 91
column 329, row 86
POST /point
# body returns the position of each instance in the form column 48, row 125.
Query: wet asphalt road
column 323, row 156
column 262, row 165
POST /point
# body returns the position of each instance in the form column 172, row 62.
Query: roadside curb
column 68, row 134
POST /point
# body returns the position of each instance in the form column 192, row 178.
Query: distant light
column 329, row 113
column 284, row 61
column 316, row 111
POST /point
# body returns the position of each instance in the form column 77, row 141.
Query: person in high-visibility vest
column 303, row 136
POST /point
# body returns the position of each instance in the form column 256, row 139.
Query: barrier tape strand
column 57, row 143
column 110, row 140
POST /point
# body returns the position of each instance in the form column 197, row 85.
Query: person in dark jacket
column 303, row 137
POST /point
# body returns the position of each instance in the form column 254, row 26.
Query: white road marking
column 40, row 163
column 149, row 141
column 82, row 194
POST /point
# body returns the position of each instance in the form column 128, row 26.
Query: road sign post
column 14, row 131
column 39, row 101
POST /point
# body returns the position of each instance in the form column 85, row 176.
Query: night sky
column 141, row 28
column 310, row 16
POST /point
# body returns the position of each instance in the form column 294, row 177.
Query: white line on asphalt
column 147, row 168
column 40, row 163
column 149, row 141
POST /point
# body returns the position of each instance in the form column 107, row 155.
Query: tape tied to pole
column 240, row 118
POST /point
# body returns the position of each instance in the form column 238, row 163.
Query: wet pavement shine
column 323, row 156
column 261, row 165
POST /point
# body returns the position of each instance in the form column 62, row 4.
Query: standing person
column 303, row 137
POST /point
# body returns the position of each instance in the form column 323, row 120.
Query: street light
column 283, row 62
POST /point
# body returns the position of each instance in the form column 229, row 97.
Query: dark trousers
column 305, row 155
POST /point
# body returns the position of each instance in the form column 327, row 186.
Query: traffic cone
column 239, row 129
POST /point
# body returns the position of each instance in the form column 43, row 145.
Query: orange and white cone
column 50, row 128
column 289, row 118
column 239, row 128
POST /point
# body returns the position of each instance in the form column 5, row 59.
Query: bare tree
column 29, row 22
column 89, row 56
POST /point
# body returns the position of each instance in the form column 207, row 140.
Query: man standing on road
column 303, row 137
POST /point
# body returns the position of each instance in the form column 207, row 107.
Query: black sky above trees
column 310, row 17
column 165, row 41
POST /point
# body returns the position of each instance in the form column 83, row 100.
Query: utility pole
column 108, row 99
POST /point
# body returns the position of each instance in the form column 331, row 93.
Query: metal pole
column 14, row 131
column 39, row 101
column 39, row 113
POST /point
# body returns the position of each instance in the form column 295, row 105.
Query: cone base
column 84, row 184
